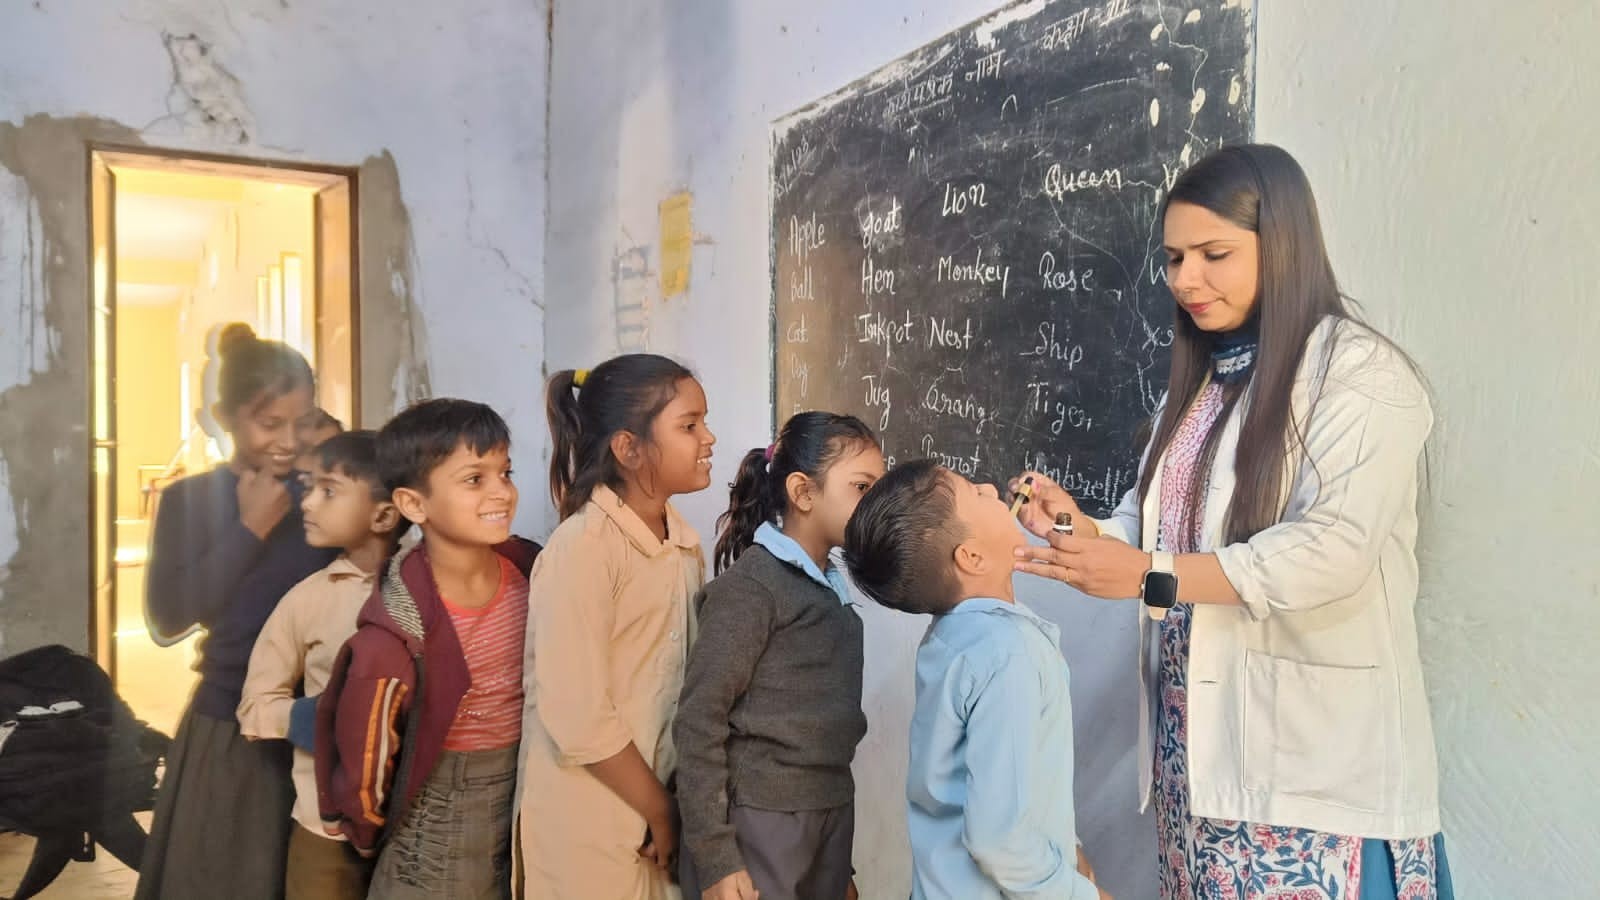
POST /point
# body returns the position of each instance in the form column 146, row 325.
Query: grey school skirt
column 222, row 818
column 455, row 840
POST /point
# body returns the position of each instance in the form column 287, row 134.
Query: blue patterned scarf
column 1233, row 353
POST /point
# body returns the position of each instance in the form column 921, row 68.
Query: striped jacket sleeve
column 359, row 725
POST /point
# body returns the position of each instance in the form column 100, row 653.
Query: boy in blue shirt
column 990, row 781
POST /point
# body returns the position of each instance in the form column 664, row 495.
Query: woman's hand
column 1098, row 566
column 1038, row 515
column 263, row 502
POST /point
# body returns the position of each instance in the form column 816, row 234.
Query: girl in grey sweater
column 770, row 714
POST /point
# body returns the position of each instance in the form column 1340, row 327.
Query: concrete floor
column 103, row 879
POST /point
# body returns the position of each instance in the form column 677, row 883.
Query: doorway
column 181, row 247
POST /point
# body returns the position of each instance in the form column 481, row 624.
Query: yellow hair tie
column 579, row 377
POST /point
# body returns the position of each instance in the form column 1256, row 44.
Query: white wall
column 1452, row 146
column 1453, row 149
column 455, row 92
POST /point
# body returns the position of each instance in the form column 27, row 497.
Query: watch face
column 1160, row 590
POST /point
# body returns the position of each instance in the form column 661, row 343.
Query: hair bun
column 234, row 336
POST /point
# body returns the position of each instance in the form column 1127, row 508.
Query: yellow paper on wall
column 677, row 244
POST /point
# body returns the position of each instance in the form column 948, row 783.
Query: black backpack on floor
column 75, row 763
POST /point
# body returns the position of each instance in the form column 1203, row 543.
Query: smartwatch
column 1160, row 590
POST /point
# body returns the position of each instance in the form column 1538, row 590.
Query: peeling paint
column 45, row 576
column 394, row 338
column 44, row 446
column 282, row 80
column 8, row 542
column 32, row 333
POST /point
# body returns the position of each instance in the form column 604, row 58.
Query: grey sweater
column 771, row 708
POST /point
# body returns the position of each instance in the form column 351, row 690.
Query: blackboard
column 966, row 250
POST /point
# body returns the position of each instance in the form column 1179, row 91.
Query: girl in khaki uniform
column 609, row 626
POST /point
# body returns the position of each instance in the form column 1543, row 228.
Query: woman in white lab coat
column 1272, row 540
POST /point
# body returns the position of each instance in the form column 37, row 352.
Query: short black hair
column 354, row 454
column 416, row 441
column 900, row 543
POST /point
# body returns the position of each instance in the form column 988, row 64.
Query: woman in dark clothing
column 228, row 545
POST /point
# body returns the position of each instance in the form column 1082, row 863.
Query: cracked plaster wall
column 439, row 108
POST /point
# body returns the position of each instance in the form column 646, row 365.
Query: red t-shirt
column 490, row 714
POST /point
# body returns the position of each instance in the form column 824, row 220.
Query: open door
column 181, row 247
column 337, row 317
column 102, row 418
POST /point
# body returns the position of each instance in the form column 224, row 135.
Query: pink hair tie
column 771, row 449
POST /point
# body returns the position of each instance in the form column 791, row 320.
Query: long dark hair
column 625, row 393
column 1261, row 188
column 255, row 371
column 808, row 443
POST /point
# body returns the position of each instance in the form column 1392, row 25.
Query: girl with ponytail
column 770, row 713
column 610, row 619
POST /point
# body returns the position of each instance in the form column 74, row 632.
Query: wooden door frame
column 110, row 156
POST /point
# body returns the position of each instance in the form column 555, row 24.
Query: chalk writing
column 793, row 165
column 1059, row 182
column 875, row 280
column 1061, row 35
column 958, row 200
column 1156, row 337
column 1071, row 416
column 965, row 466
column 801, row 289
column 800, row 373
column 1050, row 348
column 1103, row 487
column 1116, row 9
column 1155, row 268
column 806, row 236
column 1061, row 415
column 942, row 334
column 876, row 225
column 877, row 329
column 986, row 67
column 1066, row 280
column 961, row 406
column 924, row 93
column 878, row 397
column 976, row 271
